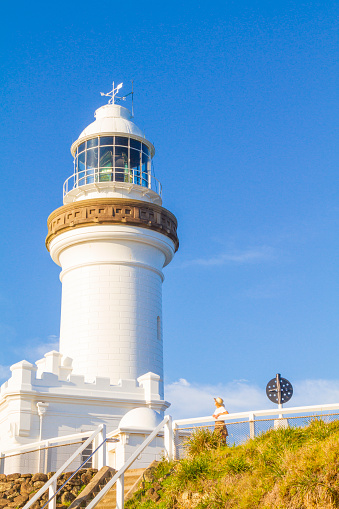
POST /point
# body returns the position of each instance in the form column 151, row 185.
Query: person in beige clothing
column 220, row 426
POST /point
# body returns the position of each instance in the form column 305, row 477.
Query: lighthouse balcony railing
column 242, row 426
column 103, row 176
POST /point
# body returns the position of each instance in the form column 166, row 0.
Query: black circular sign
column 272, row 390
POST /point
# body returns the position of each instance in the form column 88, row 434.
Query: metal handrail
column 127, row 464
column 290, row 418
column 74, row 473
column 54, row 478
column 4, row 457
column 99, row 176
column 65, row 438
column 259, row 413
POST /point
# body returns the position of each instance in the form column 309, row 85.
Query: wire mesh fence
column 241, row 431
column 45, row 459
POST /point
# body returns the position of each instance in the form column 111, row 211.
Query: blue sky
column 240, row 101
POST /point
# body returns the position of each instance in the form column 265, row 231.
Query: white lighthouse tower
column 112, row 239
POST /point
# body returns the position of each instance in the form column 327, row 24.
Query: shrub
column 237, row 465
column 202, row 439
column 193, row 468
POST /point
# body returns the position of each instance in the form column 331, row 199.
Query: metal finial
column 112, row 93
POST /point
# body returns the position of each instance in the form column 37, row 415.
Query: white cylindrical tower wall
column 111, row 310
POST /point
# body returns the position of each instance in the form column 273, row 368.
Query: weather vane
column 113, row 95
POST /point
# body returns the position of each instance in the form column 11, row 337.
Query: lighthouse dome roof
column 141, row 418
column 112, row 118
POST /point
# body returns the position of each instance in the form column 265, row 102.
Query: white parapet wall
column 70, row 404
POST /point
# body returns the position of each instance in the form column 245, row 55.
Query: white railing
column 171, row 429
column 118, row 478
column 242, row 426
column 51, row 484
column 47, row 445
column 260, row 413
column 118, row 176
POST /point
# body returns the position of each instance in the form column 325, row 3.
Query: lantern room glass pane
column 119, row 175
column 134, row 158
column 92, row 143
column 82, row 147
column 105, row 174
column 92, row 158
column 120, row 140
column 135, row 144
column 121, row 157
column 106, row 157
column 145, row 149
column 81, row 169
column 106, row 140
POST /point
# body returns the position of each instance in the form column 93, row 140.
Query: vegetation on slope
column 292, row 468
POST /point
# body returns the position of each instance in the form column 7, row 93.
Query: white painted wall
column 74, row 405
column 111, row 299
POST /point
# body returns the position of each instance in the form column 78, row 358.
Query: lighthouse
column 112, row 239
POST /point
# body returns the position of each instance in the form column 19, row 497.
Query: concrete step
column 130, row 478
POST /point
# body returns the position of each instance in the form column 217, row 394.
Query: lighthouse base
column 45, row 400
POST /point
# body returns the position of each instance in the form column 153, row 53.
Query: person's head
column 218, row 402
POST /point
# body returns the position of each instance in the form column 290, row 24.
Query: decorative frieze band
column 112, row 211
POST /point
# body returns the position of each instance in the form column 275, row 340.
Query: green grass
column 292, row 468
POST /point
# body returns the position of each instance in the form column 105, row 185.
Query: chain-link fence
column 241, row 431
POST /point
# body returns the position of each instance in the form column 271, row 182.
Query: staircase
column 131, row 480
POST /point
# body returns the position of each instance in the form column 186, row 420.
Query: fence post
column 51, row 492
column 168, row 439
column 252, row 427
column 2, row 463
column 46, row 457
column 101, row 454
column 174, row 438
column 120, row 492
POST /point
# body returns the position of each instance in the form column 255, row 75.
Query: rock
column 149, row 474
column 196, row 497
column 21, row 480
column 39, row 477
column 20, row 500
column 153, row 495
column 13, row 477
column 3, row 478
column 38, row 484
column 26, row 488
column 67, row 497
column 50, row 475
column 92, row 471
column 5, row 486
column 11, row 496
column 186, row 495
column 3, row 502
column 26, row 476
column 85, row 478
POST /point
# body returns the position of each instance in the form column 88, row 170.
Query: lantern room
column 112, row 157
